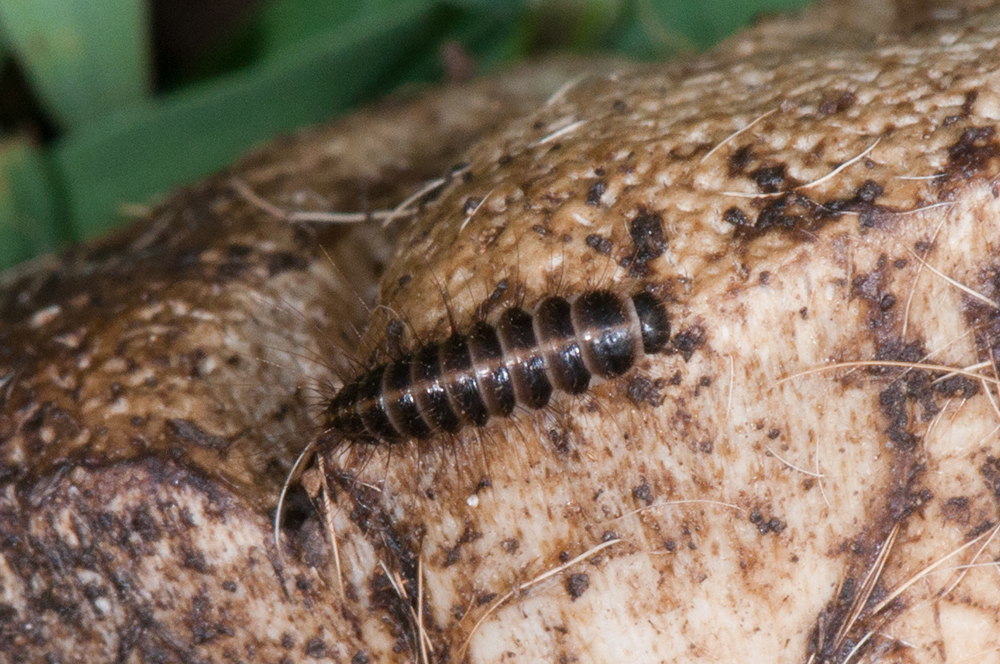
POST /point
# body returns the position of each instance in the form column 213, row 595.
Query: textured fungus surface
column 753, row 494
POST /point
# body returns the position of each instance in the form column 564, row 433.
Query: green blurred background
column 107, row 104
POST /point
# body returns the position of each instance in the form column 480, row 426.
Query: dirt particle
column 776, row 215
column 914, row 385
column 361, row 657
column 453, row 556
column 972, row 153
column 991, row 474
column 892, row 402
column 970, row 100
column 203, row 628
column 767, row 525
column 867, row 286
column 598, row 243
column 980, row 528
column 577, row 584
column 736, row 217
column 648, row 240
column 957, row 385
column 831, row 106
column 643, row 390
column 144, row 525
column 688, row 341
column 316, row 648
column 739, row 160
column 643, row 492
column 194, row 560
column 869, row 191
column 770, row 179
column 595, row 192
column 956, row 509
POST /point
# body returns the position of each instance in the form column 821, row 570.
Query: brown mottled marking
column 105, row 512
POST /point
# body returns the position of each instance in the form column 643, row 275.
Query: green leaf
column 708, row 21
column 283, row 23
column 311, row 59
column 507, row 8
column 85, row 58
column 27, row 215
column 142, row 152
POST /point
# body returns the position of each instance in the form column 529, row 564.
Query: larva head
column 653, row 321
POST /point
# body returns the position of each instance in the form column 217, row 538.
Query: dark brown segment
column 496, row 386
column 460, row 381
column 554, row 327
column 343, row 413
column 468, row 379
column 523, row 358
column 602, row 323
column 431, row 395
column 400, row 401
column 372, row 409
column 654, row 322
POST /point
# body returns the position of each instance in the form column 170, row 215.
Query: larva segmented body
column 469, row 378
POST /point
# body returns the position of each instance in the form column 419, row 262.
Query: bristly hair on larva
column 470, row 378
column 429, row 393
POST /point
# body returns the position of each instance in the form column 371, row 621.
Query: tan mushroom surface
column 809, row 473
